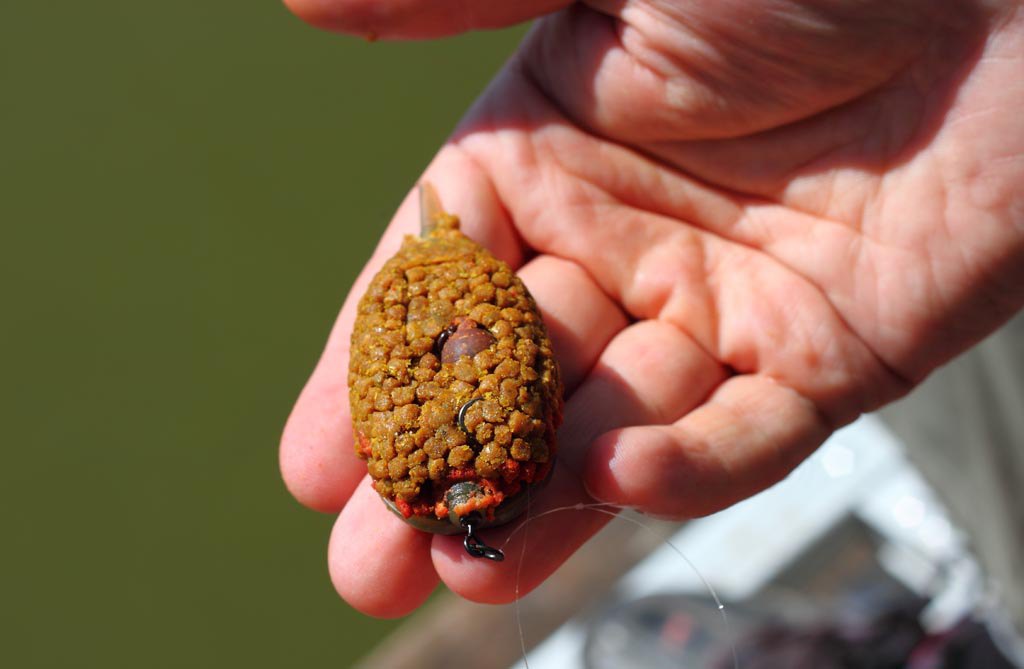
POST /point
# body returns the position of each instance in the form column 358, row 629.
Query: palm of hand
column 744, row 229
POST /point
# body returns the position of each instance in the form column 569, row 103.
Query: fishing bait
column 455, row 392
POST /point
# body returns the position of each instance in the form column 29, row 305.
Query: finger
column 412, row 19
column 651, row 372
column 645, row 71
column 317, row 460
column 579, row 317
column 379, row 564
column 750, row 434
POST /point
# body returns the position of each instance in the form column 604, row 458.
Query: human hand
column 746, row 223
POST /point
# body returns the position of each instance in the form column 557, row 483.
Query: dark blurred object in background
column 673, row 632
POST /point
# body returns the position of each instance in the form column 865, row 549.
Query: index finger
column 417, row 19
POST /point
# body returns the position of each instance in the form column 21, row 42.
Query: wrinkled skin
column 747, row 222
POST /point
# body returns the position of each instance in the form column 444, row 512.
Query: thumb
column 417, row 19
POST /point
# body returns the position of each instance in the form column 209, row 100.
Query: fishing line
column 519, row 571
column 606, row 509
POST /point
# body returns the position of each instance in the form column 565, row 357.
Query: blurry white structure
column 859, row 472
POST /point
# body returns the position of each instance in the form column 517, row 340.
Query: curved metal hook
column 462, row 414
column 475, row 546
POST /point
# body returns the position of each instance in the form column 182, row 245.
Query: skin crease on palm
column 746, row 222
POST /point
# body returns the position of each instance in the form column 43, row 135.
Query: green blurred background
column 188, row 189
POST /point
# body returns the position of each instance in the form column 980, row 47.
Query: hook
column 461, row 420
column 475, row 545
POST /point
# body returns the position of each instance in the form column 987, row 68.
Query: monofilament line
column 607, row 509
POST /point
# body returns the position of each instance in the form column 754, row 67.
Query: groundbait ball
column 454, row 389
